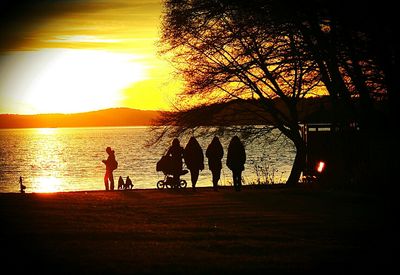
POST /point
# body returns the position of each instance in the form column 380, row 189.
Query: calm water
column 69, row 159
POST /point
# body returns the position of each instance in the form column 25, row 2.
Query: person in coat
column 235, row 161
column 214, row 153
column 194, row 159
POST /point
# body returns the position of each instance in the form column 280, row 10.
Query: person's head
column 192, row 140
column 108, row 150
column 175, row 142
column 235, row 141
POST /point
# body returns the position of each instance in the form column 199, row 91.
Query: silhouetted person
column 194, row 159
column 235, row 161
column 176, row 154
column 111, row 165
column 214, row 153
column 21, row 186
column 121, row 184
column 128, row 183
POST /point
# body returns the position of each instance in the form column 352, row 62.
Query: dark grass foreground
column 257, row 230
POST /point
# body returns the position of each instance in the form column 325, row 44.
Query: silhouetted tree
column 224, row 52
column 357, row 54
column 354, row 48
column 268, row 49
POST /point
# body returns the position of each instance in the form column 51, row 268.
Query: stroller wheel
column 160, row 184
column 183, row 183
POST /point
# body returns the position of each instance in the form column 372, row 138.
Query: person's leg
column 194, row 174
column 177, row 174
column 216, row 176
column 239, row 180
column 111, row 181
column 176, row 179
column 236, row 179
column 106, row 180
column 214, row 179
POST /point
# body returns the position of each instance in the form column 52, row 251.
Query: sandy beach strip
column 196, row 232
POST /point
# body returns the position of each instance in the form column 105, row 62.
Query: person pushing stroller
column 172, row 162
column 176, row 154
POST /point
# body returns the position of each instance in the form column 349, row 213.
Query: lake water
column 69, row 159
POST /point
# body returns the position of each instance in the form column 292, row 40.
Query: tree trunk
column 299, row 161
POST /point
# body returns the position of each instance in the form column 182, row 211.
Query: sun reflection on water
column 47, row 185
column 47, row 131
column 48, row 146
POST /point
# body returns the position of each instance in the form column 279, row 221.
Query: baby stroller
column 165, row 165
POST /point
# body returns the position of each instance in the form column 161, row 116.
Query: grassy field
column 275, row 230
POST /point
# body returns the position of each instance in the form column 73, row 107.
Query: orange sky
column 71, row 56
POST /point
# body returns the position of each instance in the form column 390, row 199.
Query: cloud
column 33, row 24
column 82, row 39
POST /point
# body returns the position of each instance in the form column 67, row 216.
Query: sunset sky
column 65, row 56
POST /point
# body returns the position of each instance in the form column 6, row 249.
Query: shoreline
column 151, row 231
column 222, row 187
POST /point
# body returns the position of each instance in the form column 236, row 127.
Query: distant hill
column 230, row 113
column 107, row 117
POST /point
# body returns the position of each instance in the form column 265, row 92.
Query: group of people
column 124, row 185
column 193, row 157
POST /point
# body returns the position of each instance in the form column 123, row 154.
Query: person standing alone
column 235, row 161
column 111, row 164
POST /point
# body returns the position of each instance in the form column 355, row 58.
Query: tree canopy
column 261, row 50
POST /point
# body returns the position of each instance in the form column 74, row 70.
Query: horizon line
column 83, row 112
